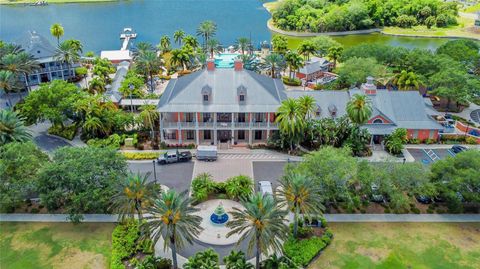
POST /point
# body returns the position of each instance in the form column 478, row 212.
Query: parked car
column 174, row 157
column 423, row 199
column 207, row 153
column 376, row 196
column 265, row 187
column 457, row 149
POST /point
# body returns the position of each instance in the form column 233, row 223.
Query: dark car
column 423, row 199
column 457, row 149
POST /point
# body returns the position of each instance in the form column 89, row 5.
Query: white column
column 268, row 125
column 250, row 129
column 214, row 128
column 162, row 137
column 233, row 129
column 197, row 130
column 179, row 126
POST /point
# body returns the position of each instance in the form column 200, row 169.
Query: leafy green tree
column 279, row 44
column 19, row 165
column 67, row 52
column 213, row 46
column 81, row 180
column 203, row 259
column 7, row 83
column 290, row 121
column 149, row 63
column 236, row 260
column 57, row 31
column 96, row 86
column 243, row 43
column 178, row 36
column 274, row 63
column 53, row 101
column 207, row 30
column 301, row 195
column 335, row 53
column 306, row 48
column 103, row 68
column 132, row 85
column 134, row 194
column 19, row 64
column 451, row 84
column 261, row 222
column 12, row 128
column 406, row 80
column 354, row 71
column 323, row 44
column 307, row 106
column 359, row 108
column 173, row 217
column 294, row 62
column 462, row 50
column 181, row 57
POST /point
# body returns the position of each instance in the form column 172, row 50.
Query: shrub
column 114, row 141
column 415, row 210
column 155, row 262
column 124, row 239
column 203, row 259
column 141, row 155
column 239, row 186
column 471, row 140
column 303, row 251
column 81, row 71
column 202, row 186
column 291, row 82
column 164, row 77
column 35, row 211
column 68, row 132
column 430, row 141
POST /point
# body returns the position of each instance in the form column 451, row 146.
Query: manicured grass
column 8, row 2
column 473, row 8
column 55, row 245
column 402, row 245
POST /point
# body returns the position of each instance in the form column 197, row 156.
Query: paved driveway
column 176, row 175
column 50, row 143
column 428, row 156
column 268, row 170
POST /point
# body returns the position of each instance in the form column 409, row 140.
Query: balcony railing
column 220, row 125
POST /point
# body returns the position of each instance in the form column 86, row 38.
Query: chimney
column 238, row 65
column 211, row 64
column 369, row 88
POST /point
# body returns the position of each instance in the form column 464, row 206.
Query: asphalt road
column 49, row 143
column 176, row 175
column 268, row 170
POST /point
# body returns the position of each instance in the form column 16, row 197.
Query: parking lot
column 268, row 170
column 429, row 156
column 176, row 175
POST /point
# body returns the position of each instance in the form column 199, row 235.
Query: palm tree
column 178, row 36
column 67, row 53
column 149, row 63
column 191, row 41
column 94, row 126
column 7, row 83
column 274, row 62
column 207, row 30
column 149, row 116
column 180, row 57
column 249, row 61
column 12, row 128
column 173, row 217
column 243, row 44
column 301, row 195
column 165, row 43
column 306, row 48
column 261, row 222
column 213, row 46
column 21, row 63
column 294, row 62
column 290, row 121
column 134, row 194
column 359, row 109
column 307, row 106
column 335, row 53
column 9, row 48
column 406, row 81
column 57, row 31
column 97, row 85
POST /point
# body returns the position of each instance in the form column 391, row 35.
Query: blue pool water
column 225, row 60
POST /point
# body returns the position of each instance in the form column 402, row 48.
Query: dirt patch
column 375, row 254
column 81, row 259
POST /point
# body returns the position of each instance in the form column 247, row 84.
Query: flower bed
column 303, row 251
column 149, row 155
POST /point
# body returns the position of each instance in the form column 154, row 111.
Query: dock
column 126, row 35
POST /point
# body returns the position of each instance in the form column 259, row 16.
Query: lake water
column 98, row 25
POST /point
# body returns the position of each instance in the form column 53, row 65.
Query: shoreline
column 50, row 2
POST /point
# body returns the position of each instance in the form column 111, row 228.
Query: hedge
column 68, row 132
column 126, row 242
column 150, row 155
column 291, row 82
column 303, row 251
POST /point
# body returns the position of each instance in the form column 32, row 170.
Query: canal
column 98, row 25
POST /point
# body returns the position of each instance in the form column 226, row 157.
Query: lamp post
column 154, row 171
column 131, row 87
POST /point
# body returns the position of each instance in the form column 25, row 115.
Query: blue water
column 225, row 60
column 98, row 25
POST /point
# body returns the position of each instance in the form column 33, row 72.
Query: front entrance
column 377, row 139
column 44, row 78
column 224, row 136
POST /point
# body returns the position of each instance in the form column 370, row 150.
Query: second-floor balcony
column 219, row 125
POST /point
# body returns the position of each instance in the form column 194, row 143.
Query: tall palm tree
column 274, row 62
column 307, row 106
column 141, row 48
column 12, row 128
column 406, row 81
column 261, row 222
column 57, row 31
column 9, row 48
column 94, row 126
column 243, row 43
column 76, row 45
column 359, row 109
column 207, row 30
column 180, row 57
column 191, row 41
column 290, row 120
column 149, row 63
column 178, row 36
column 134, row 194
column 249, row 61
column 213, row 46
column 149, row 116
column 67, row 53
column 301, row 195
column 20, row 64
column 294, row 62
column 7, row 83
column 165, row 44
column 335, row 53
column 173, row 217
column 306, row 48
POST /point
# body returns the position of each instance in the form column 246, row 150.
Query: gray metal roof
column 37, row 45
column 113, row 89
column 184, row 94
column 315, row 64
column 326, row 100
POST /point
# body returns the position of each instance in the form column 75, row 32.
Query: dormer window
column 205, row 97
column 333, row 110
column 242, row 93
column 206, row 93
column 242, row 98
column 379, row 121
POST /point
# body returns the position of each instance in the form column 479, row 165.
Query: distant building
column 314, row 69
column 43, row 51
column 116, row 56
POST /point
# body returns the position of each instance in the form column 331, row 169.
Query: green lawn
column 7, row 2
column 55, row 245
column 402, row 245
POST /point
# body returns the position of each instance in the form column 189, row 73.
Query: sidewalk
column 55, row 218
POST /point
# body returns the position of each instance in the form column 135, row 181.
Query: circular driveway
column 475, row 115
column 50, row 143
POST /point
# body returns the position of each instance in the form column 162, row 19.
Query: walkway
column 329, row 217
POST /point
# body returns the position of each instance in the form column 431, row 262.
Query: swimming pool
column 225, row 60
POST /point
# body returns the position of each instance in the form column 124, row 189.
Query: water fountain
column 219, row 216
